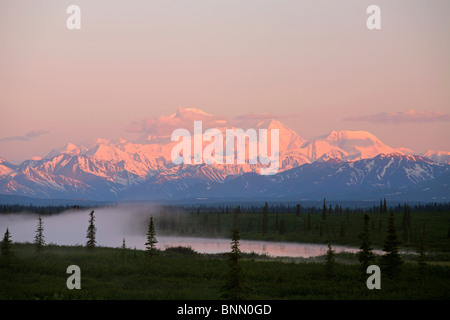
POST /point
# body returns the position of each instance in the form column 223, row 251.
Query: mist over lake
column 130, row 222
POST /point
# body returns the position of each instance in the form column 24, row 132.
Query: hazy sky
column 313, row 64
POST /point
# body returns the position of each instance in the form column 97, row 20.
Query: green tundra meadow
column 30, row 271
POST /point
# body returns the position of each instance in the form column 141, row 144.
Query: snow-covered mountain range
column 341, row 164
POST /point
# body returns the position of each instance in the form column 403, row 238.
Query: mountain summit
column 111, row 170
column 348, row 145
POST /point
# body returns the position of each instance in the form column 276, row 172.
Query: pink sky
column 312, row 64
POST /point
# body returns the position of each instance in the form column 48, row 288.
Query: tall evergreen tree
column 234, row 286
column 391, row 261
column 329, row 263
column 151, row 239
column 7, row 245
column 39, row 241
column 365, row 256
column 91, row 242
column 265, row 219
column 385, row 206
column 124, row 250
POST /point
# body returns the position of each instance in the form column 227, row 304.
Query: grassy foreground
column 108, row 273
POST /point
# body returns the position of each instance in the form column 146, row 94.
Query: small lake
column 113, row 225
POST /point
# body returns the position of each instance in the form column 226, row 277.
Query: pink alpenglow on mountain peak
column 438, row 156
column 238, row 143
column 348, row 145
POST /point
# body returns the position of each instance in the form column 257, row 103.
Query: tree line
column 235, row 287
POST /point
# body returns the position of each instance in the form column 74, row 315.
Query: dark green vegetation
column 365, row 255
column 330, row 263
column 90, row 235
column 337, row 226
column 391, row 261
column 39, row 241
column 44, row 210
column 151, row 239
column 6, row 251
column 234, row 287
column 180, row 273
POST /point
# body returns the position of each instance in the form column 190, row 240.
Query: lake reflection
column 113, row 225
column 281, row 249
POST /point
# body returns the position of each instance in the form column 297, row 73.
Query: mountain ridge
column 118, row 169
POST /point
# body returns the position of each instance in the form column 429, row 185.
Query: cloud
column 27, row 136
column 248, row 120
column 403, row 117
column 163, row 126
column 160, row 128
column 257, row 116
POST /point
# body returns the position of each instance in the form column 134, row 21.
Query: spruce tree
column 39, row 241
column 124, row 250
column 151, row 239
column 6, row 245
column 329, row 263
column 324, row 209
column 234, row 286
column 365, row 256
column 385, row 206
column 90, row 244
column 391, row 261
